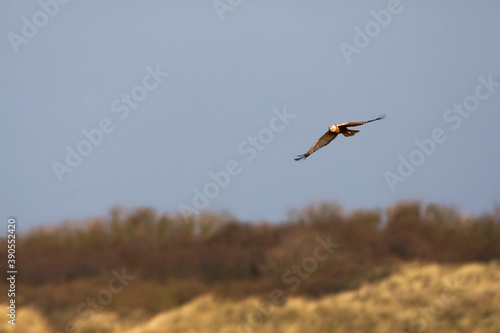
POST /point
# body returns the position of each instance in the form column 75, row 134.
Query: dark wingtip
column 301, row 157
column 382, row 116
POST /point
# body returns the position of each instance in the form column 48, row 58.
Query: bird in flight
column 332, row 133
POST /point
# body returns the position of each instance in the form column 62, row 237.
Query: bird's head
column 334, row 129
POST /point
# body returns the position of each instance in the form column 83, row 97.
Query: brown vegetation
column 175, row 260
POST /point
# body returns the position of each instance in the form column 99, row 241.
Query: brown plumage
column 332, row 133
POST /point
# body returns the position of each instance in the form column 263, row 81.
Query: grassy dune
column 424, row 269
column 416, row 298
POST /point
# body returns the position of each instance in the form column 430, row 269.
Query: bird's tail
column 350, row 132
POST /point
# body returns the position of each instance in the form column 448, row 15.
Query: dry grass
column 209, row 273
column 417, row 298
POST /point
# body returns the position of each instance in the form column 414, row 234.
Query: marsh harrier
column 332, row 133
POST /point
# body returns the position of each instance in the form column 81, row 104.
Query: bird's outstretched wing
column 323, row 141
column 359, row 123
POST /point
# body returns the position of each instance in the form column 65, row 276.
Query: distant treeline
column 214, row 248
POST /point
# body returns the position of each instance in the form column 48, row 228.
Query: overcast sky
column 192, row 105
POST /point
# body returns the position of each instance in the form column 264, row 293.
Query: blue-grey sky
column 250, row 85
